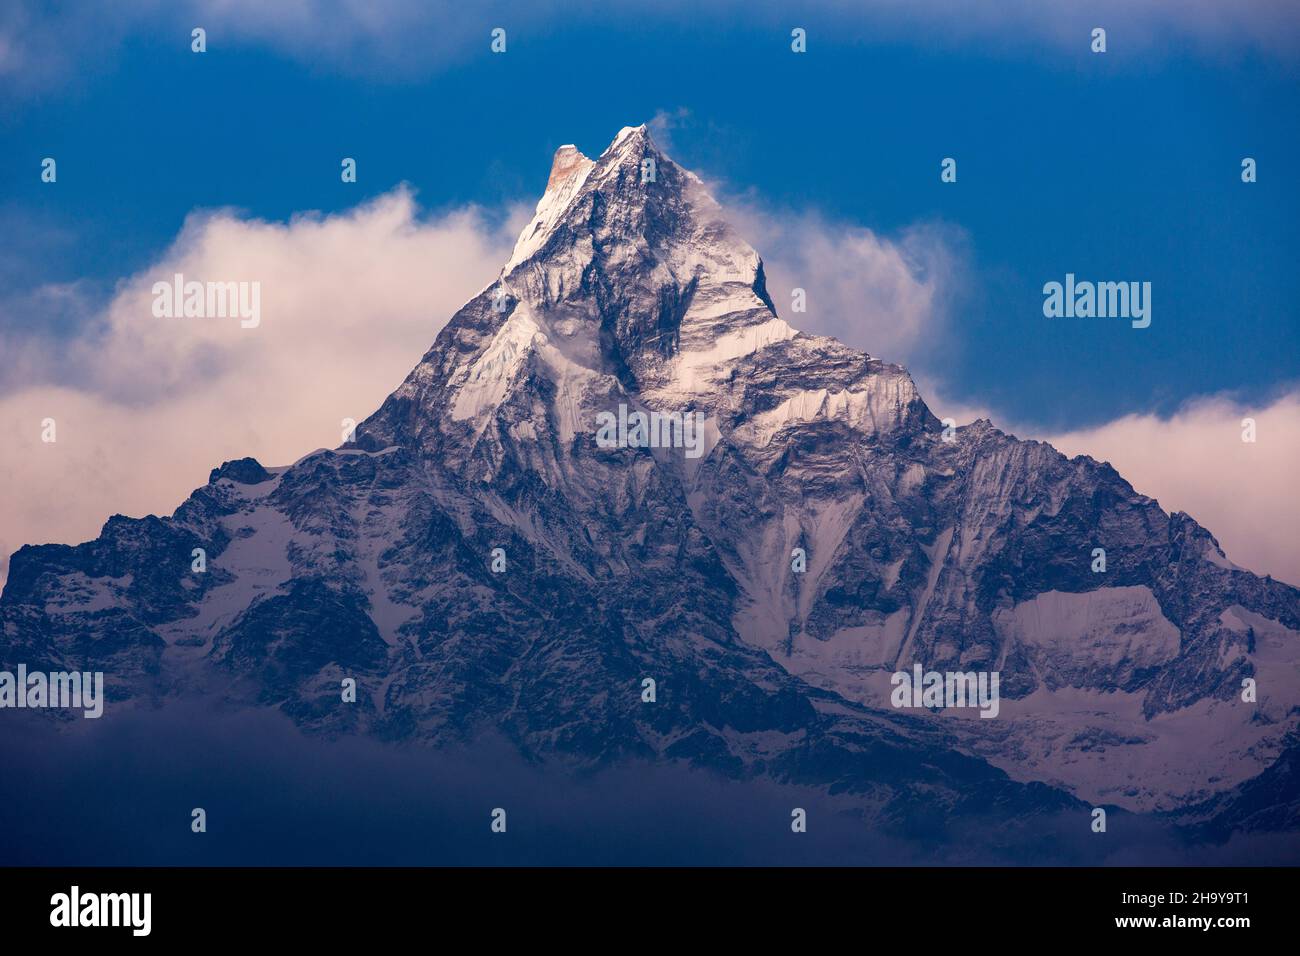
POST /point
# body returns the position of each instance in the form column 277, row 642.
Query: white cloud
column 887, row 296
column 145, row 407
column 1195, row 461
column 42, row 44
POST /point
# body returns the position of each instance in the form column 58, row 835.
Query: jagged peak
column 568, row 161
column 630, row 147
column 244, row 471
column 573, row 173
column 569, row 171
column 688, row 292
column 630, row 137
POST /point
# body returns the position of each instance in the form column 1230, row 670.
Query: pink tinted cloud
column 1196, row 461
column 144, row 406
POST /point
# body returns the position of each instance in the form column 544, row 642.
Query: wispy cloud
column 664, row 122
column 1207, row 27
column 43, row 45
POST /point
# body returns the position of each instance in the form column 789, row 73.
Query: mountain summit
column 477, row 560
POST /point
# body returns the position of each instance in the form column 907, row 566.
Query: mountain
column 958, row 549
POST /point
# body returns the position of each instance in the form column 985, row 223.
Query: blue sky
column 1116, row 166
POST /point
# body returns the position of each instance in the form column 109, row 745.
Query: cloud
column 887, row 296
column 664, row 122
column 1177, row 27
column 42, row 45
column 144, row 407
column 1195, row 461
column 276, row 797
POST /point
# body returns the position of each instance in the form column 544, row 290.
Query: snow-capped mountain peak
column 569, row 171
column 630, row 281
column 477, row 558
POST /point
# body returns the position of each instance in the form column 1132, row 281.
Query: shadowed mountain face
column 826, row 531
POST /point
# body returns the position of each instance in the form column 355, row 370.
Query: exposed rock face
column 960, row 549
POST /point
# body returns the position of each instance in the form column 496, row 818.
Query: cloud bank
column 144, row 407
column 1196, row 461
column 43, row 46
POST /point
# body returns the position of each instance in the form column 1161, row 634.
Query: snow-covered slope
column 965, row 551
